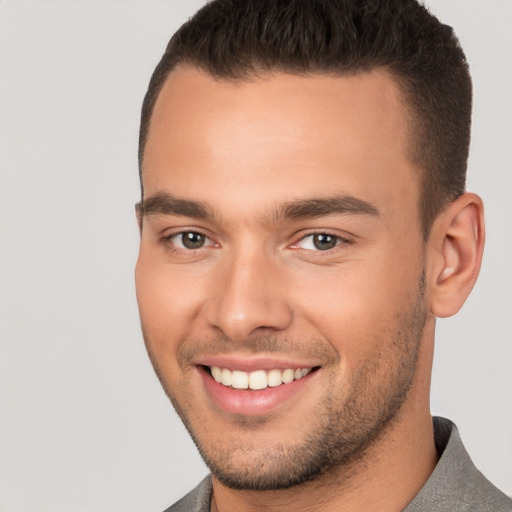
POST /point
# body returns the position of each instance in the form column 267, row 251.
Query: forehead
column 279, row 135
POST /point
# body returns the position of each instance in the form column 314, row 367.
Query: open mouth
column 258, row 379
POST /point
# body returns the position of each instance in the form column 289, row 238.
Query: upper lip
column 253, row 363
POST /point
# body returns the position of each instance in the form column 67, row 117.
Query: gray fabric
column 197, row 500
column 454, row 486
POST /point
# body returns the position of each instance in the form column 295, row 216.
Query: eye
column 189, row 240
column 320, row 242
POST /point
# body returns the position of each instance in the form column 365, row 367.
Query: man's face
column 281, row 250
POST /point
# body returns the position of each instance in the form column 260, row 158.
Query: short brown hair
column 243, row 39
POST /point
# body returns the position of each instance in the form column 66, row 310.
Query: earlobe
column 457, row 243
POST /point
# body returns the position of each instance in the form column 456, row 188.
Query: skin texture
column 242, row 164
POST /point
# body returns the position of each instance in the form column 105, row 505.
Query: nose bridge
column 250, row 295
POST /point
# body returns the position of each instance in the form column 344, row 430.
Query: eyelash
column 168, row 240
column 338, row 239
column 339, row 242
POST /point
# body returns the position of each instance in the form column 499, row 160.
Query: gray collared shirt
column 455, row 485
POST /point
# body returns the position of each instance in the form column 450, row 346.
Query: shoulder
column 197, row 500
column 456, row 484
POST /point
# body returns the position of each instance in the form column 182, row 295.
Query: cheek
column 168, row 300
column 341, row 295
column 354, row 305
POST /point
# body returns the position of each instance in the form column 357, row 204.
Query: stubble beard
column 339, row 434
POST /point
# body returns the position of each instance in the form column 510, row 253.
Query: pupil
column 193, row 240
column 324, row 242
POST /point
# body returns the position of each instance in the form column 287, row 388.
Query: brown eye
column 324, row 241
column 319, row 242
column 188, row 243
column 192, row 240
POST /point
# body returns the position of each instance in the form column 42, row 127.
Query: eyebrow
column 163, row 203
column 320, row 207
column 166, row 204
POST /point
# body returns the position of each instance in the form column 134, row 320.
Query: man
column 303, row 222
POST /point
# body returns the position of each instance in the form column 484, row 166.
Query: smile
column 259, row 379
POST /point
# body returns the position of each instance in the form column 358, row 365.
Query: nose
column 249, row 298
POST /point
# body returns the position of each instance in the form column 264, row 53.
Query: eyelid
column 210, row 242
column 341, row 240
column 168, row 239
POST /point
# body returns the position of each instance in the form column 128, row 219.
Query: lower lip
column 251, row 402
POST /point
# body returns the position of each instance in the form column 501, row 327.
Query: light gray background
column 84, row 425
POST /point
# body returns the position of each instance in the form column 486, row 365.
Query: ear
column 138, row 213
column 456, row 246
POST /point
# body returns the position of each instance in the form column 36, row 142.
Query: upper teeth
column 259, row 379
